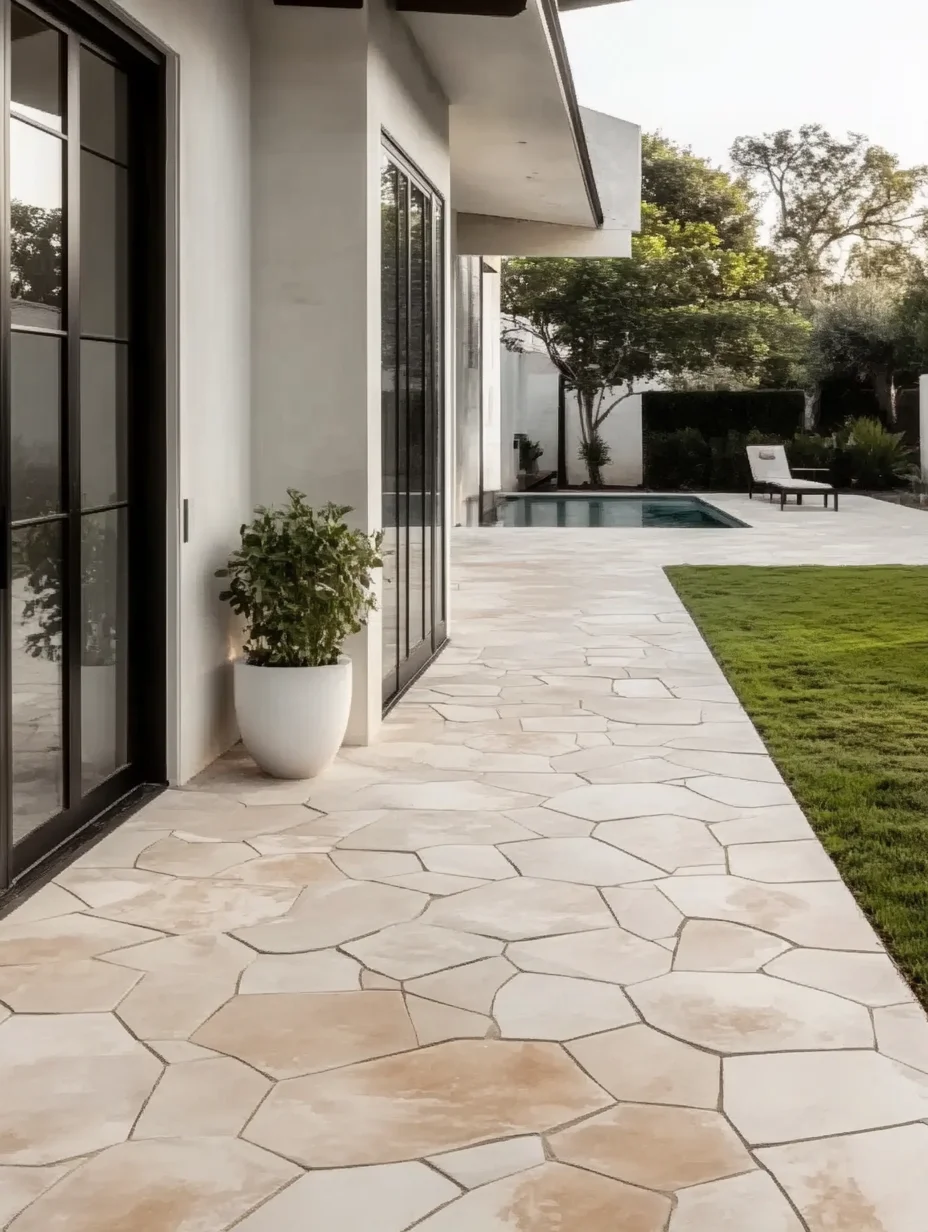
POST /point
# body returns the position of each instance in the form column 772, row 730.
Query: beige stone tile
column 373, row 979
column 867, row 1181
column 580, row 1199
column 459, row 795
column 468, row 860
column 185, row 1184
column 235, row 824
column 564, row 723
column 64, row 938
column 292, row 870
column 318, row 971
column 201, row 1099
column 755, row 767
column 388, row 1197
column 165, row 1005
column 655, row 1147
column 404, row 951
column 902, row 1033
column 194, row 905
column 669, row 843
column 435, row 1023
column 613, row 802
column 122, row 847
column 467, row 714
column 478, row 1165
column 420, row 1103
column 640, row 688
column 647, row 710
column 768, row 825
column 751, row 1201
column 557, row 1007
column 521, row 908
column 175, row 807
column 740, row 793
column 104, row 887
column 288, row 1034
column 193, row 859
column 289, row 842
column 750, row 1013
column 822, row 915
column 45, row 904
column 20, row 1186
column 637, row 770
column 796, row 861
column 608, row 754
column 328, row 827
column 593, row 740
column 644, row 910
column 713, row 945
column 82, row 986
column 72, row 1083
column 376, row 865
column 203, row 953
column 414, row 830
column 438, row 884
column 470, row 987
column 542, row 823
column 644, row 1066
column 609, row 954
column 538, row 785
column 329, row 914
column 784, row 1096
column 543, row 744
column 870, row 979
column 178, row 1052
column 583, row 861
column 719, row 738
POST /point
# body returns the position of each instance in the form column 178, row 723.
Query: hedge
column 714, row 413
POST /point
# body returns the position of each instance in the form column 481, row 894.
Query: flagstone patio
column 559, row 953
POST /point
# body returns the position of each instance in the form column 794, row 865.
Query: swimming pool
column 557, row 509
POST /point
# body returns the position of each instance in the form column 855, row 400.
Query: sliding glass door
column 80, row 557
column 412, row 267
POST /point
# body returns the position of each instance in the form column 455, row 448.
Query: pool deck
column 559, row 954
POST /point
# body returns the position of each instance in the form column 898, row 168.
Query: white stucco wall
column 209, row 352
column 492, row 421
column 622, row 433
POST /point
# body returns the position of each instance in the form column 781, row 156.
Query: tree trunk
column 813, row 405
column 586, row 403
column 884, row 387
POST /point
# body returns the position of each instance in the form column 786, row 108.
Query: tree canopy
column 690, row 189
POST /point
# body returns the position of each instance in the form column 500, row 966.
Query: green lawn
column 832, row 666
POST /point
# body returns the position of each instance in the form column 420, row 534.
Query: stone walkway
column 560, row 954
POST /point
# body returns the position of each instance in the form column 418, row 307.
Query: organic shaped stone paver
column 609, row 954
column 82, row 986
column 202, row 1099
column 413, row 830
column 870, row 979
column 64, row 938
column 187, row 1184
column 740, row 793
column 292, row 869
column 462, row 860
column 750, row 1013
column 376, row 865
column 317, row 971
column 420, row 1103
column 657, row 1148
column 557, row 1007
column 405, row 951
column 434, row 1023
column 902, row 1033
column 713, row 945
column 388, row 1197
column 751, row 1201
column 471, row 987
column 644, row 910
column 583, row 861
column 615, row 801
column 786, row 1096
column 801, row 860
column 870, row 1180
column 520, row 908
column 642, row 1065
column 193, row 859
column 72, row 1084
column 184, row 906
column 478, row 1165
column 287, row 1034
column 573, row 1198
column 668, row 842
column 20, row 1186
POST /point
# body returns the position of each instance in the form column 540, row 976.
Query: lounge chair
column 770, row 472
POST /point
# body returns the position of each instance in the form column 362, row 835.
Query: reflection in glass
column 104, row 392
column 35, row 226
column 438, row 333
column 104, row 606
column 103, row 106
column 416, row 413
column 104, row 248
column 35, row 69
column 35, row 411
column 36, row 676
column 388, row 386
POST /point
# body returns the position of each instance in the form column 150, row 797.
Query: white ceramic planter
column 293, row 719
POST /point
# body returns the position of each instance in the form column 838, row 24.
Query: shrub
column 302, row 581
column 876, row 458
column 595, row 454
column 673, row 460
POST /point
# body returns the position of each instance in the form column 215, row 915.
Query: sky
column 707, row 71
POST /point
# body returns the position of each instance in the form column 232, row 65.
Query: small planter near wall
column 302, row 580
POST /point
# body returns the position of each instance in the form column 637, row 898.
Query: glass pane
column 388, row 387
column 35, row 226
column 104, row 395
column 428, row 432
column 416, row 411
column 35, row 69
column 104, row 248
column 402, row 435
column 35, row 409
column 439, row 333
column 38, row 777
column 103, row 106
column 104, row 621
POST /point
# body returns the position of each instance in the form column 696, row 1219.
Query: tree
column 829, row 195
column 690, row 189
column 35, row 253
column 677, row 306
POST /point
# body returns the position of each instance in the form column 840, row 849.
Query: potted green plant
column 303, row 582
